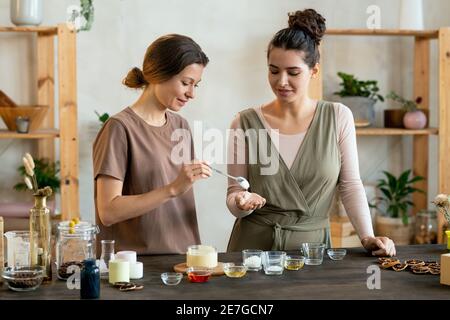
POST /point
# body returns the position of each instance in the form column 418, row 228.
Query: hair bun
column 308, row 21
column 135, row 79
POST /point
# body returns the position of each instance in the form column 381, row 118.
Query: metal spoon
column 241, row 180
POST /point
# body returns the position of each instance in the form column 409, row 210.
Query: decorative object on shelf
column 81, row 17
column 23, row 124
column 6, row 101
column 46, row 173
column 445, row 269
column 360, row 97
column 393, row 220
column 26, row 12
column 34, row 113
column 411, row 15
column 413, row 117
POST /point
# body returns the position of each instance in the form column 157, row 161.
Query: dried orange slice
column 420, row 269
column 389, row 264
column 399, row 266
column 435, row 271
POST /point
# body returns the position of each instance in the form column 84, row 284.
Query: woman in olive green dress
column 306, row 152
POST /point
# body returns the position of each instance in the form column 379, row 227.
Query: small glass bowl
column 234, row 271
column 294, row 262
column 336, row 254
column 171, row 278
column 199, row 274
column 23, row 278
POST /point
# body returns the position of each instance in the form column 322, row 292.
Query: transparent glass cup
column 313, row 252
column 273, row 262
column 106, row 256
column 252, row 259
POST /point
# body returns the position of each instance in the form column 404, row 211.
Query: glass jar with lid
column 75, row 242
column 201, row 256
column 425, row 227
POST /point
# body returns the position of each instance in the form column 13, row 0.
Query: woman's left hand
column 379, row 246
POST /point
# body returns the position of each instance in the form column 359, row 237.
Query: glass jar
column 425, row 227
column 106, row 256
column 201, row 256
column 74, row 244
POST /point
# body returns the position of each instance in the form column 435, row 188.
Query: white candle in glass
column 119, row 271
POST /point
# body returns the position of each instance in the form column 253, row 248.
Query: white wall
column 234, row 34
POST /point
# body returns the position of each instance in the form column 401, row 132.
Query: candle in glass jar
column 119, row 271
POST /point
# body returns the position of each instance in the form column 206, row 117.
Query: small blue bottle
column 90, row 280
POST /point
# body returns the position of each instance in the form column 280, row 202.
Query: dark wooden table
column 346, row 279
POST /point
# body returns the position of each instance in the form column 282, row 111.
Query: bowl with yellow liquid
column 294, row 263
column 234, row 270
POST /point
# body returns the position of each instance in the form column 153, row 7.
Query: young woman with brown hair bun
column 143, row 191
column 316, row 152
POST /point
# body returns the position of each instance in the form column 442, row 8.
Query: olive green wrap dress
column 299, row 198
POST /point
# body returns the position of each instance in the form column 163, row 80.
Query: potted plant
column 392, row 218
column 360, row 96
column 411, row 116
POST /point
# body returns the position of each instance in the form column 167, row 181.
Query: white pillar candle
column 119, row 271
column 129, row 256
column 136, row 270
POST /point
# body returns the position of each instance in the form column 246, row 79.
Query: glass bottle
column 90, row 280
column 40, row 236
column 106, row 256
column 426, row 227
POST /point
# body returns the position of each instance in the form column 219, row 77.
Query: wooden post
column 68, row 116
column 46, row 90
column 444, row 120
column 420, row 143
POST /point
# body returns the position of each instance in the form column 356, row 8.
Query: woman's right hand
column 189, row 173
column 247, row 201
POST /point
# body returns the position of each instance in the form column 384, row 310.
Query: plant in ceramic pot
column 413, row 118
column 393, row 205
column 360, row 96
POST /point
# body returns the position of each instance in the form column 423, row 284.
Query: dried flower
column 28, row 183
column 442, row 202
column 28, row 167
column 44, row 192
column 28, row 163
column 30, row 160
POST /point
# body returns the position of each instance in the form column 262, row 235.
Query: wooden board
column 182, row 267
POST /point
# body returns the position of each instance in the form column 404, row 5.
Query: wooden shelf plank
column 38, row 134
column 44, row 30
column 384, row 32
column 394, row 132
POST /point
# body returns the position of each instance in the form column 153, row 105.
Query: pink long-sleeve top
column 350, row 185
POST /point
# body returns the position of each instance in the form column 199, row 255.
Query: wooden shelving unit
column 67, row 107
column 420, row 138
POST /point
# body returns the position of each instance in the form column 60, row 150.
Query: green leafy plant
column 396, row 192
column 408, row 105
column 83, row 17
column 87, row 11
column 46, row 173
column 102, row 117
column 351, row 87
